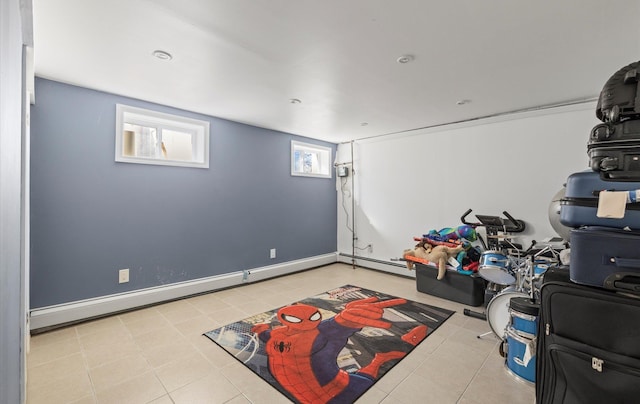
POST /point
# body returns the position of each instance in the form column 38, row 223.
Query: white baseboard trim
column 79, row 310
column 396, row 269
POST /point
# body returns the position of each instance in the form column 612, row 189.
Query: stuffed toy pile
column 439, row 247
column 437, row 254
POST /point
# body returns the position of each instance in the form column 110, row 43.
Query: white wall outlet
column 272, row 253
column 123, row 275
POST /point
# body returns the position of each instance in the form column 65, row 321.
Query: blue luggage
column 607, row 258
column 579, row 205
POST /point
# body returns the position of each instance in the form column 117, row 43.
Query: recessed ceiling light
column 160, row 54
column 295, row 101
column 405, row 59
column 462, row 102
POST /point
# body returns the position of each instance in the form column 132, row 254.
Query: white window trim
column 198, row 128
column 309, row 146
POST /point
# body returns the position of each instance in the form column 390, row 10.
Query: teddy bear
column 438, row 254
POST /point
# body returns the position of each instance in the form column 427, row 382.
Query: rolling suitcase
column 606, row 258
column 588, row 350
column 614, row 150
column 579, row 205
column 620, row 99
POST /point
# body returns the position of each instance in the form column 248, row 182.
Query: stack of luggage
column 589, row 328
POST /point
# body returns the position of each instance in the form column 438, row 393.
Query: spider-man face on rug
column 303, row 352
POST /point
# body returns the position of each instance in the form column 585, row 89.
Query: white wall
column 408, row 184
column 14, row 15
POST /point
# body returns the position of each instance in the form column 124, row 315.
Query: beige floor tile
column 164, row 354
column 184, row 371
column 162, row 400
column 504, row 389
column 470, row 339
column 99, row 355
column 43, row 353
column 49, row 374
column 228, row 315
column 214, row 388
column 147, row 324
column 391, row 400
column 457, row 352
column 415, row 389
column 176, row 305
column 239, row 399
column 373, row 395
column 106, row 337
column 106, row 324
column 235, row 296
column 65, row 388
column 53, row 337
column 162, row 336
column 196, row 325
column 140, row 389
column 208, row 303
column 118, row 371
column 139, row 314
column 182, row 314
column 457, row 374
column 478, row 326
column 86, row 400
column 467, row 400
column 254, row 307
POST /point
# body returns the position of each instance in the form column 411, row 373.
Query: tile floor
column 158, row 355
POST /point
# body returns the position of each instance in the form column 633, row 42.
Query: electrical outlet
column 370, row 248
column 272, row 253
column 123, row 275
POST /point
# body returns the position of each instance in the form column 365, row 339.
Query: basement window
column 149, row 137
column 310, row 160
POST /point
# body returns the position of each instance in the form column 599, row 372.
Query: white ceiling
column 244, row 60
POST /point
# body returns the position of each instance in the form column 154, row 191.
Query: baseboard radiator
column 52, row 316
column 396, row 268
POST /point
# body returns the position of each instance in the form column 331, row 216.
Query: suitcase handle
column 620, row 175
column 623, row 281
column 626, row 262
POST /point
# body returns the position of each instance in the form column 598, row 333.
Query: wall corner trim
column 57, row 315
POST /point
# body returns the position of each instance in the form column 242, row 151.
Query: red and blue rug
column 330, row 348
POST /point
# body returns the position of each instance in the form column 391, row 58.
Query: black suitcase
column 579, row 205
column 614, row 150
column 607, row 258
column 620, row 98
column 588, row 344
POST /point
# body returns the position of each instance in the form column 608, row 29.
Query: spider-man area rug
column 331, row 347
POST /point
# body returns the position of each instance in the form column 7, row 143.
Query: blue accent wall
column 91, row 216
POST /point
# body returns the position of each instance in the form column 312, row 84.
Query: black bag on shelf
column 588, row 349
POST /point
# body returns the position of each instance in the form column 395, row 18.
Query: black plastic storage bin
column 454, row 286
